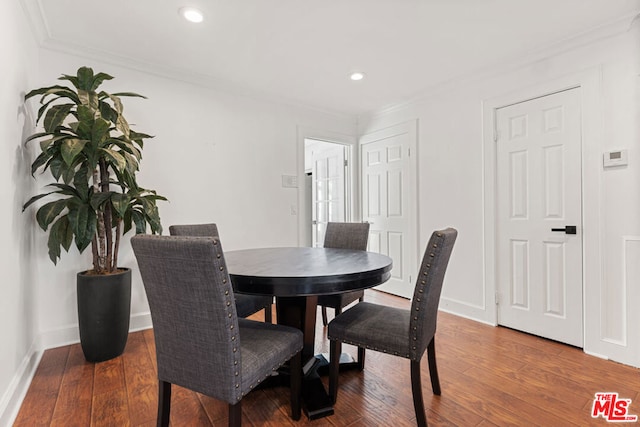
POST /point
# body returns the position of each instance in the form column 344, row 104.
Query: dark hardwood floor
column 489, row 376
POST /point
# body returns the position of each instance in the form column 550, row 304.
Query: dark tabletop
column 305, row 271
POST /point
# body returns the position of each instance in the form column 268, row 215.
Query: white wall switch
column 289, row 181
column 615, row 158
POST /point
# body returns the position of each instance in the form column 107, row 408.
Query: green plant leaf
column 126, row 222
column 57, row 167
column 62, row 231
column 34, row 199
column 107, row 112
column 73, row 79
column 65, row 189
column 40, row 161
column 115, row 158
column 98, row 199
column 56, row 116
column 50, row 90
column 71, row 148
column 81, row 181
column 36, row 136
column 117, row 103
column 123, row 126
column 98, row 79
column 120, row 203
column 130, row 94
column 100, row 131
column 49, row 212
column 54, row 247
column 141, row 223
column 85, row 78
column 88, row 98
column 82, row 219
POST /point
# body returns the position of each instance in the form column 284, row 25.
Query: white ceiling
column 302, row 51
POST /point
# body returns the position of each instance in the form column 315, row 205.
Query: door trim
column 589, row 84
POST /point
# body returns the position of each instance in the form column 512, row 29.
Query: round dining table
column 295, row 276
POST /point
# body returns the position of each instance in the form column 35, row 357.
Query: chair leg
column 433, row 368
column 361, row 353
column 164, row 403
column 335, row 347
column 416, row 389
column 268, row 314
column 235, row 414
column 324, row 316
column 295, row 377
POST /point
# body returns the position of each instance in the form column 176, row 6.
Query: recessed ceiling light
column 191, row 14
column 356, row 76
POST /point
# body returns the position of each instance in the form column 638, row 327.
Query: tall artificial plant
column 93, row 155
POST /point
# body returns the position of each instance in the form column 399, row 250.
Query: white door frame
column 589, row 84
column 353, row 174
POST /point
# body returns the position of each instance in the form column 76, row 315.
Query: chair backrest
column 199, row 230
column 426, row 296
column 347, row 235
column 194, row 318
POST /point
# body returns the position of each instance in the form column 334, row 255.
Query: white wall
column 452, row 191
column 18, row 316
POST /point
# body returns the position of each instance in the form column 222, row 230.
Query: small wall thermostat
column 615, row 158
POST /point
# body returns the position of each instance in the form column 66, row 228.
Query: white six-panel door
column 539, row 189
column 388, row 201
column 328, row 188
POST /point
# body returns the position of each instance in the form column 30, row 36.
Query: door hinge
column 497, row 298
column 346, row 163
column 496, row 135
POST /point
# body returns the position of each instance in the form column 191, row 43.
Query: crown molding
column 39, row 27
column 602, row 32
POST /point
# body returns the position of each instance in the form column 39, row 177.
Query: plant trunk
column 116, row 246
column 106, row 215
column 99, row 246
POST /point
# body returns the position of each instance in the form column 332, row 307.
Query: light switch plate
column 615, row 158
column 289, row 181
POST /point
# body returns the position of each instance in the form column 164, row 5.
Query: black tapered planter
column 104, row 307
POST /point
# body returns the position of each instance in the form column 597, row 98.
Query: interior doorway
column 539, row 216
column 327, row 181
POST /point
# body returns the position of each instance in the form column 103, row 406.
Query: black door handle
column 569, row 229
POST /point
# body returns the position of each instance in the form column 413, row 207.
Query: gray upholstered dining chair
column 201, row 344
column 343, row 235
column 246, row 305
column 404, row 333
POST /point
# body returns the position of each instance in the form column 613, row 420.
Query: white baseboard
column 17, row 390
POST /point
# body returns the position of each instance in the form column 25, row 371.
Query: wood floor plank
column 110, row 409
column 40, row 401
column 110, row 404
column 490, row 376
column 141, row 380
column 73, row 407
column 186, row 409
